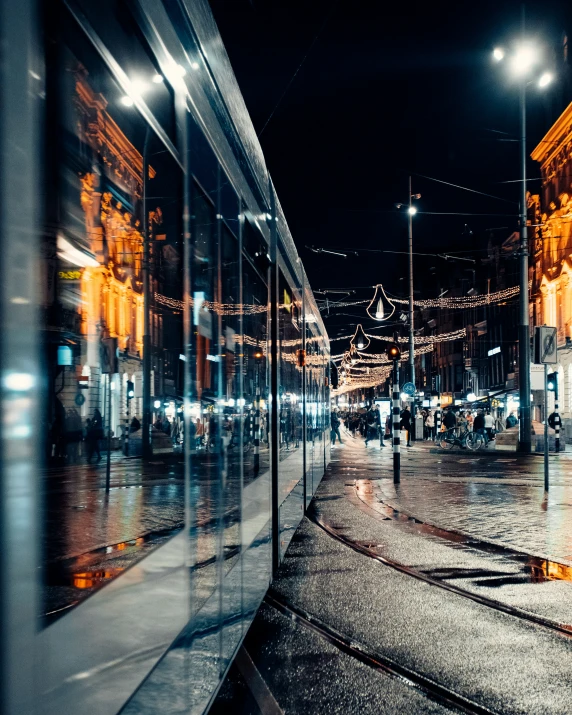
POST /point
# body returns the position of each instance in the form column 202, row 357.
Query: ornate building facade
column 551, row 252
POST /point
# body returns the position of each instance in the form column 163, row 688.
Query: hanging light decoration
column 380, row 308
column 360, row 339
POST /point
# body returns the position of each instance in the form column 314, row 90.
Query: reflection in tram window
column 94, row 307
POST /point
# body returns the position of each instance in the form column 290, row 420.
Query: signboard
column 545, row 345
column 408, row 388
column 536, row 377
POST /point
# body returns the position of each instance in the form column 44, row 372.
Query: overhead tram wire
column 323, row 25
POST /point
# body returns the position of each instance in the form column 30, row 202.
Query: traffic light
column 393, row 352
column 130, row 390
column 552, row 383
column 258, row 355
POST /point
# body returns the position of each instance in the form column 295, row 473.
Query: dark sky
column 389, row 89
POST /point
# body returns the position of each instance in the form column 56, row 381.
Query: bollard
column 396, row 425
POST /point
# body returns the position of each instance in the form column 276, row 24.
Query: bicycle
column 466, row 439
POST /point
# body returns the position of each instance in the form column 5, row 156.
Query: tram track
column 432, row 689
column 519, row 613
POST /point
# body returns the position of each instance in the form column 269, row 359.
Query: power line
column 464, row 188
column 298, row 68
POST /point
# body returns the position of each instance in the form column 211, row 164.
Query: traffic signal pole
column 546, row 475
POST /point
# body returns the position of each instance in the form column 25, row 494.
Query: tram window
column 92, row 258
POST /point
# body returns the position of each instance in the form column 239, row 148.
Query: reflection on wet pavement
column 534, row 569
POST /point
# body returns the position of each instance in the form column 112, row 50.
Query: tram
column 165, row 369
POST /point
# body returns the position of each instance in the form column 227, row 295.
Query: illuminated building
column 99, row 277
column 551, row 251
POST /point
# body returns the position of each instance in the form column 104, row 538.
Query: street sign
column 408, row 388
column 545, row 345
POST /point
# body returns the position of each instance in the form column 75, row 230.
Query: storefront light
column 157, row 404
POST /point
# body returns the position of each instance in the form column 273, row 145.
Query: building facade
column 551, row 255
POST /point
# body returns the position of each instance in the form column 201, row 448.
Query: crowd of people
column 371, row 424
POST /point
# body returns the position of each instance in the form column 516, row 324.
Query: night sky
column 387, row 90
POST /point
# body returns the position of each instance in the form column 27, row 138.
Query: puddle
column 534, row 569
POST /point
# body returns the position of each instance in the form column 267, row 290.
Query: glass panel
column 104, row 512
column 290, row 389
column 114, row 23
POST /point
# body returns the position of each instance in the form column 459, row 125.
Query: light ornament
column 359, row 339
column 376, row 309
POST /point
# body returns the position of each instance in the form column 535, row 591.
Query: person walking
column 335, row 426
column 489, row 425
column 370, row 426
column 406, row 423
column 430, row 425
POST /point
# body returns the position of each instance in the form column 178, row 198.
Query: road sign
column 408, row 388
column 545, row 345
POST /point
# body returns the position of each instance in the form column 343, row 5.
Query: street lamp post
column 411, row 211
column 522, row 60
column 525, row 444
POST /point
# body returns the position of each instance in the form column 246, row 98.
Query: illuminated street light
column 412, row 210
column 545, row 79
column 498, row 54
column 157, row 78
column 127, row 101
column 524, row 59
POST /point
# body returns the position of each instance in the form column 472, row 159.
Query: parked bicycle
column 464, row 439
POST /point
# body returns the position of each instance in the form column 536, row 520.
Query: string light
column 474, row 301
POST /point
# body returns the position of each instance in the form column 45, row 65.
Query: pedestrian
column 430, row 425
column 479, row 423
column 511, row 421
column 406, row 423
column 92, row 439
column 370, row 426
column 469, row 416
column 74, row 434
column 449, row 419
column 335, row 426
column 489, row 425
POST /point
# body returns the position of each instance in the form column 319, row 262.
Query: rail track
column 562, row 628
column 430, row 688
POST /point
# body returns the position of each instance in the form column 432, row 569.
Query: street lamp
column 411, row 211
column 522, row 61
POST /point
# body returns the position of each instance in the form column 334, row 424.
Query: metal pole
column 396, row 425
column 545, row 427
column 411, row 319
column 523, row 328
column 557, row 420
column 256, row 448
column 146, row 446
column 108, row 465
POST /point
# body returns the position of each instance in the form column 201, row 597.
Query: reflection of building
column 551, row 298
column 100, row 250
